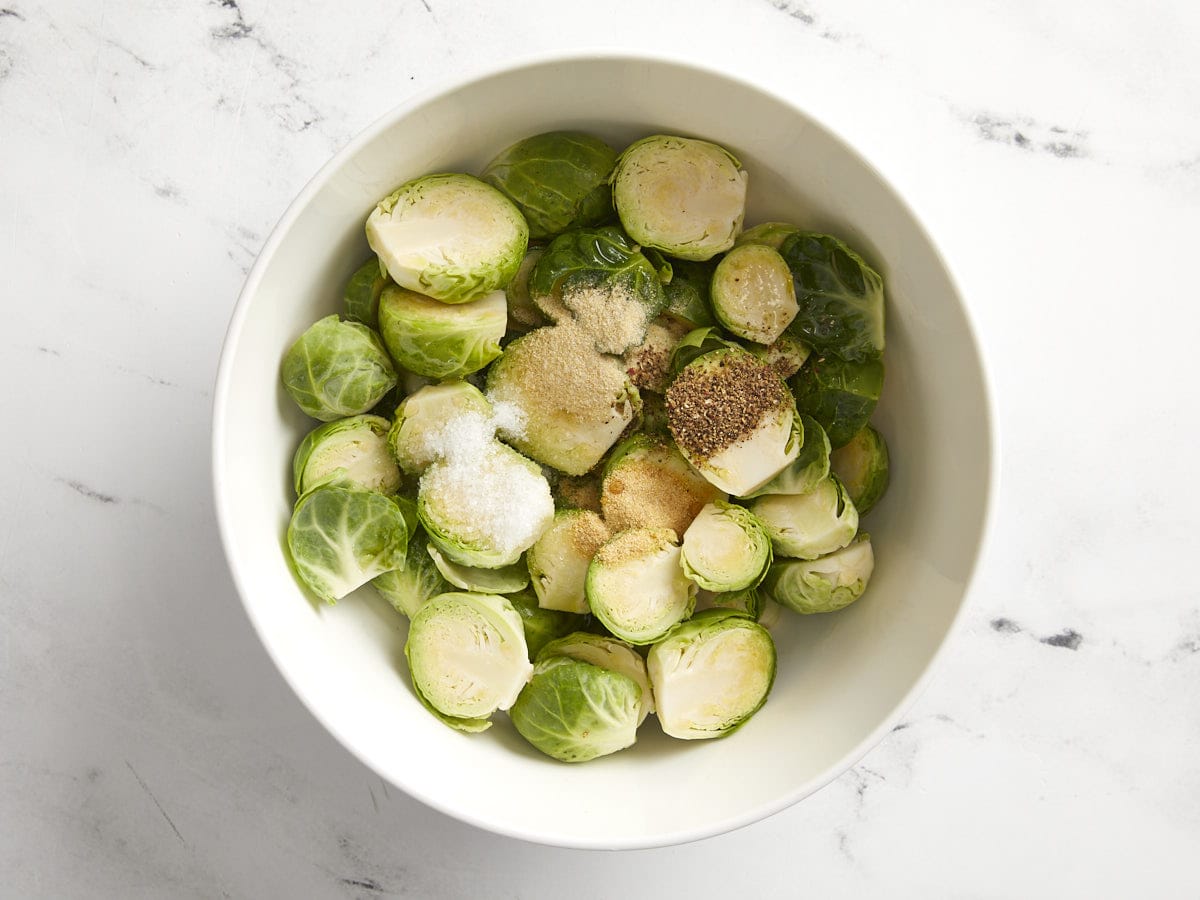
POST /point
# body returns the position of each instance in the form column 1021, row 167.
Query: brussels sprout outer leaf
column 352, row 452
column 697, row 343
column 505, row 580
column 438, row 340
column 607, row 652
column 822, row 585
column 840, row 395
column 575, row 711
column 340, row 538
column 542, row 626
column 408, row 587
column 688, row 293
column 337, row 369
column 808, row 469
column 806, row 526
column 839, row 295
column 864, row 468
column 362, row 293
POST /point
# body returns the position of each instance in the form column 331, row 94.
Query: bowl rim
column 222, row 386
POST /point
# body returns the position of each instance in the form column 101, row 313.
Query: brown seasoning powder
column 635, row 544
column 710, row 408
column 587, row 533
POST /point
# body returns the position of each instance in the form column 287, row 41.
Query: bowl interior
column 842, row 678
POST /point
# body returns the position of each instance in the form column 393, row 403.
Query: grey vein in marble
column 1068, row 638
column 149, row 793
column 91, row 493
column 1027, row 134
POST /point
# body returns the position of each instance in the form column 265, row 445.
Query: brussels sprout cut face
column 337, row 369
column 574, row 711
column 558, row 180
column 648, row 484
column 450, row 237
column 786, row 354
column 352, row 452
column 725, row 549
column 808, row 469
column 862, row 465
column 822, row 585
column 340, row 538
column 467, row 656
column 809, row 525
column 438, row 340
column 416, row 434
column 752, row 294
column 683, row 196
column 754, row 438
column 636, row 586
column 576, row 401
column 607, row 653
column 558, row 562
column 711, row 674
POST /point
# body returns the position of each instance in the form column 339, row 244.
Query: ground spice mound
column 587, row 533
column 611, row 313
column 632, row 545
column 655, row 492
column 715, row 405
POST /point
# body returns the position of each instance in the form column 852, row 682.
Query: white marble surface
column 148, row 747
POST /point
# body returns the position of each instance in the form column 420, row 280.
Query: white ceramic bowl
column 843, row 679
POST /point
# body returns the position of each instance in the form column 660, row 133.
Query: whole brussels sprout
column 862, row 465
column 467, row 657
column 340, row 538
column 448, row 236
column 608, row 653
column 438, row 340
column 361, row 295
column 711, row 674
column 542, row 626
column 558, row 180
column 337, row 369
column 840, row 297
column 683, row 196
column 840, row 395
column 352, row 452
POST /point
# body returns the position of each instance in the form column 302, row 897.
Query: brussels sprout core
column 636, row 587
column 450, row 237
column 725, row 548
column 752, row 294
column 682, row 196
column 352, row 452
column 752, row 438
column 711, row 674
column 467, row 656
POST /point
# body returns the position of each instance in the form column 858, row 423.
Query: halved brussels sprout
column 840, row 297
column 577, row 402
column 862, row 466
column 602, row 281
column 416, row 433
column 683, row 196
column 636, row 586
column 648, row 484
column 840, row 395
column 361, row 295
column 408, row 587
column 575, row 711
column 542, row 626
column 725, row 548
column 558, row 561
column 822, row 585
column 487, row 511
column 808, row 469
column 523, row 313
column 786, row 354
column 558, row 180
column 467, row 657
column 439, row 340
column 340, row 538
column 337, row 369
column 649, row 363
column 607, row 653
column 448, row 236
column 748, row 601
column 711, row 674
column 688, row 293
column 697, row 343
column 752, row 439
column 506, row 580
column 351, row 452
column 806, row 526
column 752, row 293
column 768, row 234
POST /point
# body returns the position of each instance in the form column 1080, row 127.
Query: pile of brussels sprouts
column 590, row 436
